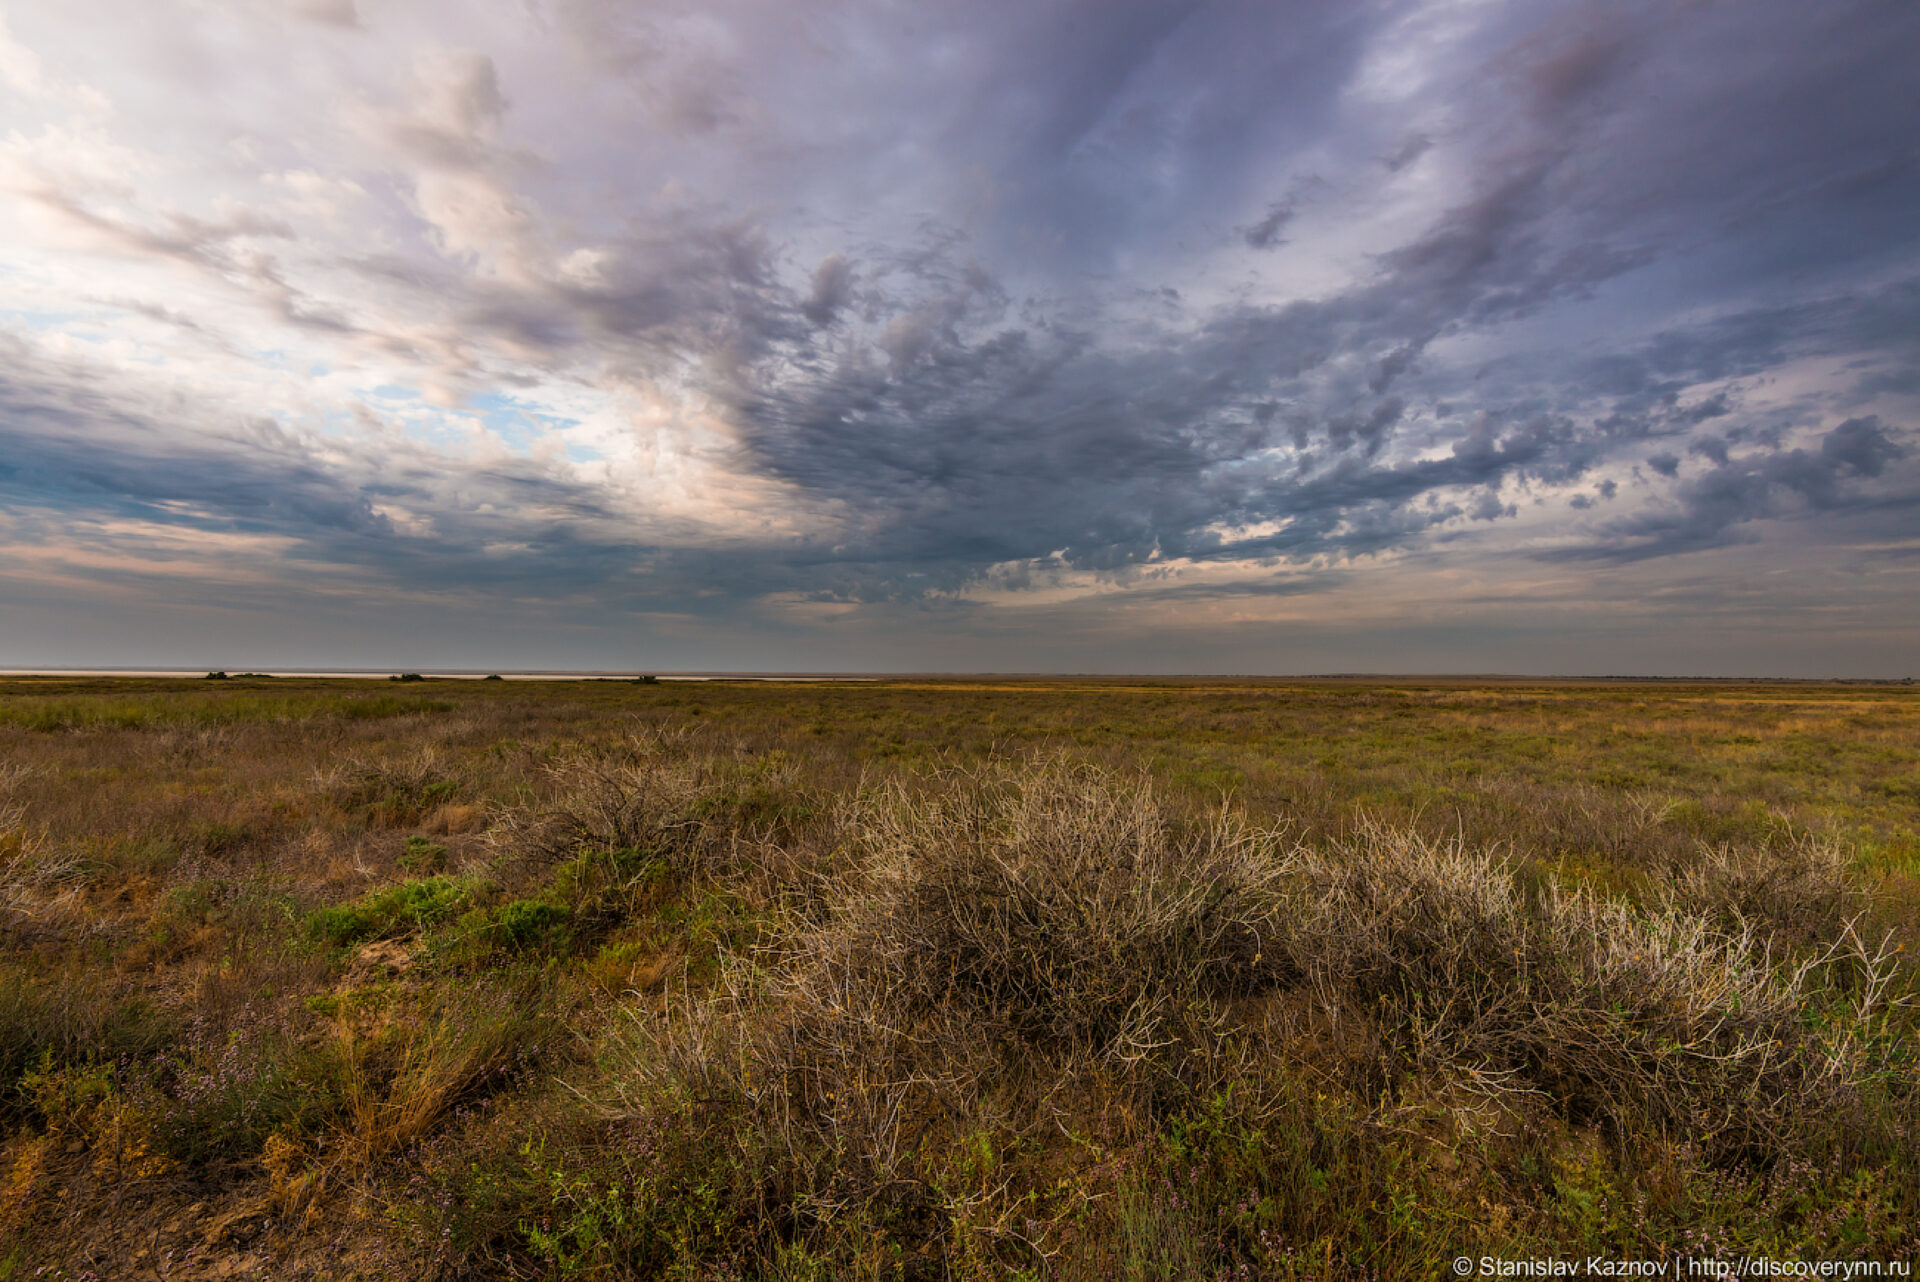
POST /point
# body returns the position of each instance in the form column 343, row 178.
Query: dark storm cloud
column 1711, row 508
column 992, row 294
column 1007, row 440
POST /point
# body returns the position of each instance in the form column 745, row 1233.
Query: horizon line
column 743, row 674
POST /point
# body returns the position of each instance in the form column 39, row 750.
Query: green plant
column 525, row 923
column 421, row 858
column 395, row 910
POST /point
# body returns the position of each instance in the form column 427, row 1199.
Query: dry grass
column 36, row 880
column 912, row 981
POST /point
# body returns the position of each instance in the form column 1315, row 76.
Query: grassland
column 1115, row 979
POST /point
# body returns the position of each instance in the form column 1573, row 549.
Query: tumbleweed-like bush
column 1688, row 1023
column 1054, row 904
column 1796, row 892
column 992, row 937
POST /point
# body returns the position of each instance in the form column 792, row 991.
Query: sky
column 991, row 335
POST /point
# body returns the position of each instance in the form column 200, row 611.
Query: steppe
column 945, row 978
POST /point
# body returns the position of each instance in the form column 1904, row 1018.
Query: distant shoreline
column 1358, row 678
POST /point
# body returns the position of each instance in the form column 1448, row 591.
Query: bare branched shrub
column 991, row 938
column 641, row 794
column 14, row 774
column 393, row 791
column 1054, row 903
column 1800, row 893
column 1635, row 1018
column 654, row 791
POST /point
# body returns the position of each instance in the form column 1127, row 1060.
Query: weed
column 397, row 910
column 422, row 858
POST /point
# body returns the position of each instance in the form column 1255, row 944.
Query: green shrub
column 525, row 923
column 422, row 858
column 480, row 933
column 396, row 910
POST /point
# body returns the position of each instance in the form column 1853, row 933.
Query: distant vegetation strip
column 58, row 712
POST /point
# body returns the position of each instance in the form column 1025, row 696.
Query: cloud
column 1713, row 507
column 1265, row 234
column 719, row 308
column 832, row 290
column 329, row 13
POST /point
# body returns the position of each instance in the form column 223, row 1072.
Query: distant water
column 441, row 674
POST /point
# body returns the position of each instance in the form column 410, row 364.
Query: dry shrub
column 15, row 774
column 1006, row 955
column 1000, row 943
column 1799, row 893
column 392, row 792
column 1634, row 1018
column 655, row 791
column 642, row 793
column 1053, row 904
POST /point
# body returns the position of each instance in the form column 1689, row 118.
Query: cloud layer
column 1086, row 335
